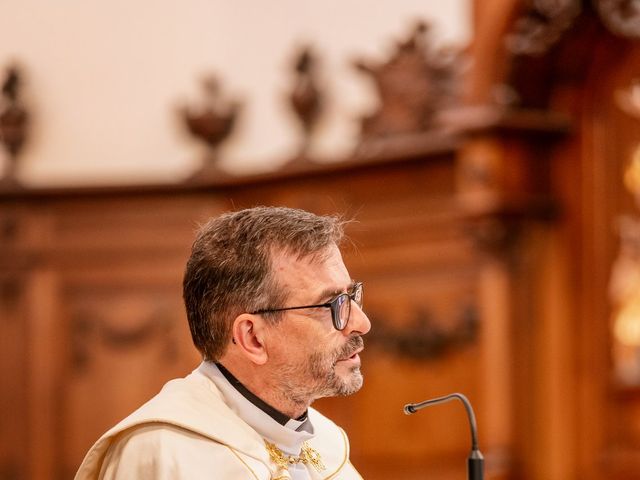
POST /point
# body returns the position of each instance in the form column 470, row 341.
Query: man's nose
column 358, row 321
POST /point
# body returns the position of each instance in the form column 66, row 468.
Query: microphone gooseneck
column 475, row 461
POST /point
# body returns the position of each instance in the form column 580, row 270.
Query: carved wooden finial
column 213, row 120
column 14, row 118
column 306, row 97
column 412, row 84
column 621, row 17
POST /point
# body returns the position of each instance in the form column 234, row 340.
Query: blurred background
column 489, row 152
column 105, row 79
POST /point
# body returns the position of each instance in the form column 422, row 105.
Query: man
column 279, row 323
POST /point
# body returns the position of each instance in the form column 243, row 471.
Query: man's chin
column 351, row 383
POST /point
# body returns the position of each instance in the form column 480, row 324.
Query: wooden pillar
column 504, row 188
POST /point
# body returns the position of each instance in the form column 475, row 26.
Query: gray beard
column 317, row 377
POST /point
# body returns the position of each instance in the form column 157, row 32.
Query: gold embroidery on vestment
column 308, row 456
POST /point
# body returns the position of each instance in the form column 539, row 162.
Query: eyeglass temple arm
column 292, row 308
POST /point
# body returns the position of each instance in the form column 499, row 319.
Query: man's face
column 310, row 358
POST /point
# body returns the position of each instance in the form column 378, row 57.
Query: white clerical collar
column 288, row 435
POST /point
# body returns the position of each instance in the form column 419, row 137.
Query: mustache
column 354, row 344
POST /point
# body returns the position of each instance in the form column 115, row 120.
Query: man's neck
column 257, row 389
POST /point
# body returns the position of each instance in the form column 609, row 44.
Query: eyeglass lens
column 344, row 306
column 344, row 310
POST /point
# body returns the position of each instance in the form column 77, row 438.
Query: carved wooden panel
column 114, row 263
column 125, row 339
column 119, row 266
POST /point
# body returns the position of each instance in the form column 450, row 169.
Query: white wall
column 104, row 78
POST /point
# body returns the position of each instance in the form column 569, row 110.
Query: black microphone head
column 409, row 409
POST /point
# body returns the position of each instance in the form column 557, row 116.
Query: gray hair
column 229, row 271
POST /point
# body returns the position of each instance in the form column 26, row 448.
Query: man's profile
column 279, row 323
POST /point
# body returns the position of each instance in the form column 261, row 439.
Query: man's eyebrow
column 331, row 293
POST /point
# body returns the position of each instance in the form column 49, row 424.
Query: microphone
column 475, row 461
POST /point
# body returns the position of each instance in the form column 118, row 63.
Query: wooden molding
column 475, row 119
column 423, row 338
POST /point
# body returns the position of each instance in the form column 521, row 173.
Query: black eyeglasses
column 340, row 307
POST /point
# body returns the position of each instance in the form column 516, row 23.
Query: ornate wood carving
column 90, row 329
column 306, row 98
column 14, row 118
column 423, row 338
column 213, row 120
column 544, row 22
column 412, row 85
column 496, row 225
column 621, row 17
column 542, row 25
column 495, row 236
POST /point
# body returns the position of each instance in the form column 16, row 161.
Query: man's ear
column 248, row 336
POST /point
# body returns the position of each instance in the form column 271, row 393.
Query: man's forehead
column 312, row 279
column 325, row 267
column 289, row 256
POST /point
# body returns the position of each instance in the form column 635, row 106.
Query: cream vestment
column 198, row 428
